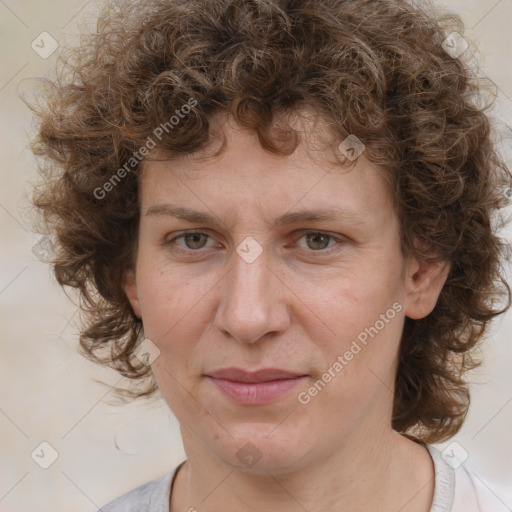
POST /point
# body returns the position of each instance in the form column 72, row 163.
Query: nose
column 253, row 300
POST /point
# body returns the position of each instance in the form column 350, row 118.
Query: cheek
column 357, row 378
column 355, row 302
column 176, row 309
column 171, row 307
column 364, row 319
column 169, row 297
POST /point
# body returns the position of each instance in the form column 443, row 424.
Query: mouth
column 255, row 388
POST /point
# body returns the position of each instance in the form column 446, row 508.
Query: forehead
column 243, row 176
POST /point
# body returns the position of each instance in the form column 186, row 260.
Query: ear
column 130, row 288
column 424, row 282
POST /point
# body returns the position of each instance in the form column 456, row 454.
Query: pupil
column 194, row 236
column 317, row 236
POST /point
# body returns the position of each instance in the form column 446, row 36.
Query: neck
column 387, row 473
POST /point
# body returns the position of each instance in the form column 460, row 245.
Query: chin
column 257, row 449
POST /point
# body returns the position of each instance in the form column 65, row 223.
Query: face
column 257, row 283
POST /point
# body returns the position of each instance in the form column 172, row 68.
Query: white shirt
column 461, row 490
column 455, row 490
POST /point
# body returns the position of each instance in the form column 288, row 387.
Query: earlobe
column 130, row 288
column 424, row 282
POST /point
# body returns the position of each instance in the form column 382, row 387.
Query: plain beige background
column 48, row 392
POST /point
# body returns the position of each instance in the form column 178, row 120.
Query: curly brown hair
column 373, row 68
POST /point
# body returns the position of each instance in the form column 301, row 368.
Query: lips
column 264, row 375
column 255, row 388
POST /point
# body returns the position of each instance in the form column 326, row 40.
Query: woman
column 290, row 203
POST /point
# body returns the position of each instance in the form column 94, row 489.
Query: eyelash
column 326, row 251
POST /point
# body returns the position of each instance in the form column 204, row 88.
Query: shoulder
column 153, row 495
column 460, row 489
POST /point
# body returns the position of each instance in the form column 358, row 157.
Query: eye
column 194, row 240
column 318, row 241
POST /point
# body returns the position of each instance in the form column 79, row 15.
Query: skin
column 206, row 308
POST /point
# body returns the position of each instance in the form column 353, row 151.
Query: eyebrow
column 194, row 216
